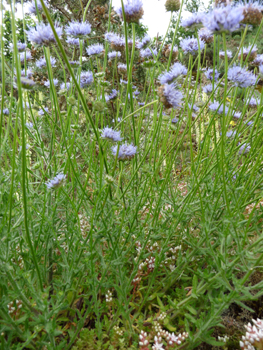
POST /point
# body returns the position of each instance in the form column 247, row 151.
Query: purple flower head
column 41, row 63
column 20, row 46
column 47, row 83
column 26, row 105
column 147, row 53
column 95, row 49
column 190, row 45
column 195, row 20
column 241, row 77
column 208, row 88
column 26, row 83
column 237, row 115
column 41, row 112
column 78, row 29
column 133, row 11
column 175, row 120
column 211, row 74
column 73, row 41
column 109, row 133
column 195, row 108
column 141, row 103
column 27, row 73
column 74, row 64
column 175, row 72
column 56, row 182
column 64, row 86
column 126, row 152
column 231, row 133
column 112, row 95
column 123, row 81
column 245, row 148
column 136, row 93
column 218, row 108
column 258, row 61
column 206, row 35
column 260, row 68
column 29, row 125
column 26, row 55
column 144, row 42
column 122, row 68
column 42, row 35
column 117, row 42
column 86, row 78
column 170, row 96
column 228, row 53
column 253, row 102
column 223, row 19
column 31, row 8
column 113, row 54
column 250, row 52
column 252, row 11
column 6, row 111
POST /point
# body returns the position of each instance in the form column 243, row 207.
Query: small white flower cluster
column 118, row 331
column 84, row 225
column 150, row 263
column 170, row 338
column 12, row 308
column 224, row 339
column 171, row 257
column 162, row 316
column 254, row 336
column 108, row 297
column 143, row 342
column 20, row 259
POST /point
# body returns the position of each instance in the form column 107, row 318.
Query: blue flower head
column 73, row 41
column 175, row 72
column 25, row 55
column 190, row 45
column 170, row 96
column 112, row 95
column 147, row 53
column 56, row 182
column 26, row 83
column 228, row 54
column 144, row 42
column 31, row 8
column 194, row 21
column 126, row 152
column 27, row 73
column 223, row 19
column 6, row 111
column 95, row 49
column 218, row 108
column 41, row 63
column 42, row 35
column 133, row 10
column 113, row 54
column 258, row 61
column 78, row 29
column 241, row 77
column 206, row 35
column 20, row 46
column 211, row 74
column 86, row 78
column 109, row 133
column 47, row 83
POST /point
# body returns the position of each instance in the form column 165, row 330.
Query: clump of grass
column 130, row 211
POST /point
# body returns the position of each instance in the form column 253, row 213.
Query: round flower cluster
column 78, row 29
column 190, row 45
column 56, row 182
column 133, row 11
column 42, row 34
